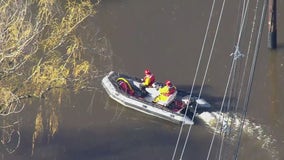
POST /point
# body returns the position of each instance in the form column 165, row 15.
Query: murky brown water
column 164, row 36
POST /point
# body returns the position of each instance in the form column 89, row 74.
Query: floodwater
column 165, row 36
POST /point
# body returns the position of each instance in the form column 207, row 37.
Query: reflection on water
column 46, row 122
column 276, row 78
column 10, row 136
column 38, row 131
column 10, row 127
column 46, row 115
column 274, row 83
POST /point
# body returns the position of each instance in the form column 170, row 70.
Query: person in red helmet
column 148, row 79
column 167, row 93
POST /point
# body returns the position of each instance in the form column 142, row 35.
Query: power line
column 248, row 53
column 248, row 91
column 231, row 79
column 196, row 72
column 205, row 74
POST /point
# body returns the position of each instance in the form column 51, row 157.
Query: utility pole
column 272, row 25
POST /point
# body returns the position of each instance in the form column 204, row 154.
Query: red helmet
column 168, row 83
column 147, row 71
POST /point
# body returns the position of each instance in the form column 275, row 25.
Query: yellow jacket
column 165, row 92
column 148, row 80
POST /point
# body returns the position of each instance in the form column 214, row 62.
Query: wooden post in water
column 272, row 25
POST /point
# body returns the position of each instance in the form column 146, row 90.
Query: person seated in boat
column 167, row 94
column 148, row 79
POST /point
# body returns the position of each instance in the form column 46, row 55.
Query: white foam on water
column 230, row 125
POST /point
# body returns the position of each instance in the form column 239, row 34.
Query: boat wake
column 230, row 126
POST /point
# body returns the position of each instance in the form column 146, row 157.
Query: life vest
column 172, row 90
column 150, row 78
column 166, row 95
column 167, row 91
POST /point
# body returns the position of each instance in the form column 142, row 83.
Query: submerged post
column 272, row 25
